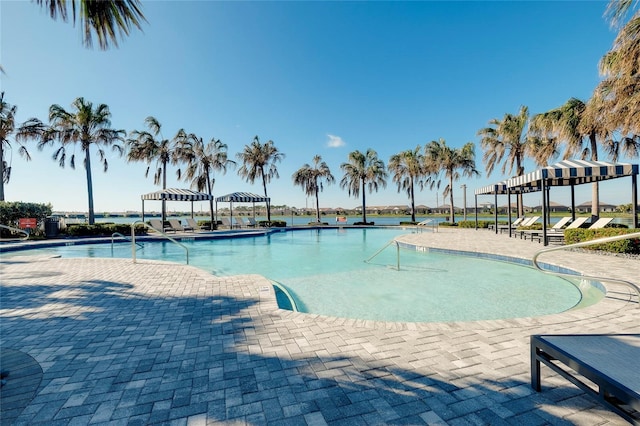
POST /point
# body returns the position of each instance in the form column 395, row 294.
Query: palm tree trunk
column 413, row 204
column 164, row 186
column 364, row 204
column 317, row 206
column 211, row 226
column 453, row 217
column 1, row 172
column 264, row 186
column 595, row 189
column 87, row 167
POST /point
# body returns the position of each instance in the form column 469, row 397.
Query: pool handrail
column 10, row 228
column 633, row 286
column 428, row 222
column 133, row 239
column 384, row 247
column 124, row 237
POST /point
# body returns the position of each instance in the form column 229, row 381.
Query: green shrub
column 103, row 229
column 12, row 211
column 447, row 224
column 408, row 223
column 472, row 224
column 272, row 224
column 631, row 246
column 364, row 223
column 534, row 227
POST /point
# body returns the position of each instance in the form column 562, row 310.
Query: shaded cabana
column 496, row 189
column 241, row 197
column 174, row 194
column 571, row 173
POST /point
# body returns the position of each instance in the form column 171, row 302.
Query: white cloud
column 335, row 141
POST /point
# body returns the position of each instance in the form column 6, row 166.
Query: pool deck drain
column 160, row 343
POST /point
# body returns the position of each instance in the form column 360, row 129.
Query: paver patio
column 162, row 343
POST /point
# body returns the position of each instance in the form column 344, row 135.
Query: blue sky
column 321, row 78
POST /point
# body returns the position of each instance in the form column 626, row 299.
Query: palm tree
column 363, row 170
column 86, row 126
column 310, row 179
column 202, row 161
column 151, row 146
column 408, row 168
column 618, row 94
column 31, row 129
column 259, row 161
column 105, row 18
column 450, row 161
column 507, row 137
column 570, row 124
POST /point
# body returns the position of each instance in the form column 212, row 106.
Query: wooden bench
column 610, row 362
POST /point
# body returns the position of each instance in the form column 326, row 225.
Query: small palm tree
column 106, row 18
column 31, row 129
column 310, row 179
column 87, row 126
column 507, row 138
column 150, row 146
column 259, row 161
column 451, row 161
column 408, row 169
column 363, row 170
column 202, row 161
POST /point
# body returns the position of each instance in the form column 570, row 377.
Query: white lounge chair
column 601, row 223
column 177, row 226
column 537, row 233
column 194, row 225
column 157, row 225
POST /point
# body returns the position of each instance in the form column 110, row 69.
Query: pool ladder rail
column 12, row 229
column 124, row 237
column 133, row 239
column 384, row 247
column 633, row 286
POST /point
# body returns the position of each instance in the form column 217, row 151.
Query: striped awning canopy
column 242, row 197
column 573, row 172
column 175, row 194
column 501, row 188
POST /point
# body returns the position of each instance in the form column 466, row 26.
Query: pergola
column 174, row 194
column 496, row 189
column 571, row 173
column 240, row 197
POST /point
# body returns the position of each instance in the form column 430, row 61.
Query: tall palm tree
column 259, row 161
column 506, row 140
column 150, row 146
column 310, row 179
column 363, row 170
column 451, row 161
column 408, row 169
column 619, row 92
column 87, row 126
column 31, row 129
column 105, row 18
column 202, row 161
column 571, row 125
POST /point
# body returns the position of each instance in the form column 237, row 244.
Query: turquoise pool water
column 326, row 273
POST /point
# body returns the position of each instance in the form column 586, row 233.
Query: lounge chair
column 250, row 222
column 177, row 226
column 601, row 223
column 558, row 236
column 226, row 222
column 237, row 222
column 513, row 225
column 157, row 225
column 194, row 225
column 611, row 363
column 537, row 233
column 526, row 222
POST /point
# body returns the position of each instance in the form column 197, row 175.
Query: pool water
column 326, row 273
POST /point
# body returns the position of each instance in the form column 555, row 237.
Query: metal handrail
column 428, row 222
column 10, row 228
column 589, row 277
column 133, row 239
column 124, row 238
column 384, row 247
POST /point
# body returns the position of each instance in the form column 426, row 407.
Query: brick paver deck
column 161, row 343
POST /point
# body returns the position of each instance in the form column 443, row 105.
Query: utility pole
column 464, row 200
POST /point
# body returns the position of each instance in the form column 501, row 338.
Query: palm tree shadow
column 178, row 357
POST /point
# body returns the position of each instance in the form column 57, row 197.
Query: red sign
column 28, row 223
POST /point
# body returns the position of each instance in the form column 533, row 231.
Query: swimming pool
column 325, row 272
